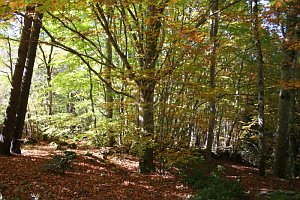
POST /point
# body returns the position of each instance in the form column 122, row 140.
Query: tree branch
column 69, row 49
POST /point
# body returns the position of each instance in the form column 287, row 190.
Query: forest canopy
column 162, row 78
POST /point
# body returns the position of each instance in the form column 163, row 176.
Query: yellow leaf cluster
column 294, row 85
column 14, row 5
column 2, row 2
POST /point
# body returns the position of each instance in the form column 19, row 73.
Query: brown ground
column 256, row 185
column 93, row 178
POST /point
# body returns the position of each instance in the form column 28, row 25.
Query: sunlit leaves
column 291, row 85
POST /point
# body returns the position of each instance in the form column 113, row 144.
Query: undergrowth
column 210, row 186
column 60, row 163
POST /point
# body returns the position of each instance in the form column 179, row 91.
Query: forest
column 160, row 99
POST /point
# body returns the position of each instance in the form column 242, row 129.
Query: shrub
column 209, row 186
column 191, row 171
column 219, row 189
column 60, row 163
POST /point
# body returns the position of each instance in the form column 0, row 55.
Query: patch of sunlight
column 128, row 183
column 180, row 186
column 1, row 140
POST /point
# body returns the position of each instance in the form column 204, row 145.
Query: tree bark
column 147, row 85
column 25, row 89
column 91, row 96
column 281, row 151
column 49, row 68
column 109, row 93
column 214, row 25
column 294, row 134
column 146, row 120
column 10, row 119
column 261, row 91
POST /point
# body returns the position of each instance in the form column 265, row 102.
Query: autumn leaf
column 278, row 4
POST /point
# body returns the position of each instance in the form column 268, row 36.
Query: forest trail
column 94, row 178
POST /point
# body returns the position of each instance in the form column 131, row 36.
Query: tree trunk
column 25, row 89
column 294, row 134
column 49, row 101
column 146, row 120
column 214, row 23
column 10, row 119
column 261, row 91
column 281, row 151
column 109, row 93
column 282, row 128
column 70, row 104
column 91, row 96
column 147, row 85
column 146, row 42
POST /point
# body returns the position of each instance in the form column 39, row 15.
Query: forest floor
column 94, row 178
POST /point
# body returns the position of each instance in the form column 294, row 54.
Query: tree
column 285, row 93
column 49, row 70
column 25, row 88
column 260, row 88
column 10, row 119
column 214, row 26
column 147, row 83
column 108, row 91
column 146, row 47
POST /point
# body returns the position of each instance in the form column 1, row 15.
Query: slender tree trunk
column 47, row 62
column 50, row 96
column 261, row 91
column 218, row 145
column 281, row 151
column 92, row 98
column 214, row 24
column 236, row 106
column 10, row 119
column 109, row 93
column 294, row 134
column 10, row 60
column 25, row 89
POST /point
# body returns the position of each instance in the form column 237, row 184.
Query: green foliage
column 4, row 86
column 281, row 195
column 219, row 189
column 209, row 186
column 60, row 163
column 63, row 125
column 191, row 171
